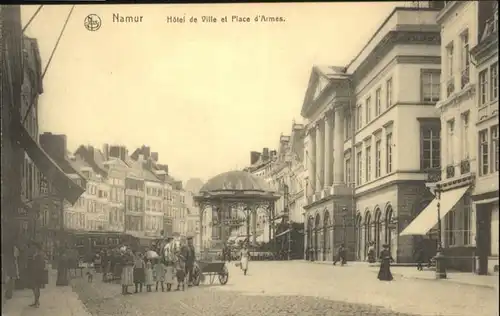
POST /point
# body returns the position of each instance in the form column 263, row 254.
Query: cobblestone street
column 296, row 288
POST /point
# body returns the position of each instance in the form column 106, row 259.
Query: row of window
column 95, row 207
column 371, row 111
column 463, row 63
column 155, row 191
column 453, row 138
column 116, row 216
column 134, row 223
column 488, row 89
column 154, row 223
column 153, row 206
column 488, row 151
column 31, row 177
column 458, row 224
column 134, row 203
column 74, row 220
column 375, row 171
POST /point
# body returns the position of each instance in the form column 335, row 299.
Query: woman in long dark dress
column 384, row 274
column 35, row 271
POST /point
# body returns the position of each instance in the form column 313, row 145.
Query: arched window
column 326, row 234
column 389, row 214
column 359, row 236
column 368, row 231
column 317, row 223
column 378, row 230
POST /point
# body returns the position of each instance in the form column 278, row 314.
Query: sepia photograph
column 250, row 159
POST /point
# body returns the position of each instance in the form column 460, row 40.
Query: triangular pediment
column 317, row 84
column 321, row 84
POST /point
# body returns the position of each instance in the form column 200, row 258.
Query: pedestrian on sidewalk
column 127, row 275
column 35, row 271
column 371, row 252
column 384, row 273
column 190, row 255
column 244, row 258
column 148, row 275
column 419, row 257
column 169, row 258
column 139, row 276
column 341, row 255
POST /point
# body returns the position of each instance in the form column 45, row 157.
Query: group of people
column 174, row 263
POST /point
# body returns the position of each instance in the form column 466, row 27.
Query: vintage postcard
column 253, row 159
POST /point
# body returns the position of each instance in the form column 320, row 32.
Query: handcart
column 212, row 269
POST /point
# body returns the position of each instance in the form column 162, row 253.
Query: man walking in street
column 341, row 255
column 190, row 257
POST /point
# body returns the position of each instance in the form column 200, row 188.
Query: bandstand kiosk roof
column 236, row 186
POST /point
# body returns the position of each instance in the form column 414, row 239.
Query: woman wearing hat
column 384, row 274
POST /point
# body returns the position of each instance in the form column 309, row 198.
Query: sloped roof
column 236, row 181
column 331, row 72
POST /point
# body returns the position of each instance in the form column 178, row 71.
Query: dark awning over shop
column 55, row 175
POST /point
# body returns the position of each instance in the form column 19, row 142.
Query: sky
column 203, row 95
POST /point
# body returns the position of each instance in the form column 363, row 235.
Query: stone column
column 254, row 225
column 311, row 162
column 338, row 147
column 320, row 157
column 328, row 149
column 200, row 227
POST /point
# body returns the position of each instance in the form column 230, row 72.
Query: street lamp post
column 440, row 258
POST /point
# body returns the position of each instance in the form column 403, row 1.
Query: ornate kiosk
column 231, row 192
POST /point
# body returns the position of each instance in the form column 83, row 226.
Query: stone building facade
column 363, row 184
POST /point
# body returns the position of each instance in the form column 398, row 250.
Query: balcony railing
column 465, row 166
column 465, row 77
column 433, row 175
column 450, row 86
column 450, row 171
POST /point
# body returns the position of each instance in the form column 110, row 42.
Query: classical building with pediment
column 373, row 140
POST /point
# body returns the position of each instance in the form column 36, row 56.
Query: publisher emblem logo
column 92, row 22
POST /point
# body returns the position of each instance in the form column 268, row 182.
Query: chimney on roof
column 124, row 153
column 265, row 154
column 90, row 151
column 274, row 153
column 154, row 156
column 54, row 145
column 254, row 157
column 146, row 151
column 163, row 167
column 105, row 151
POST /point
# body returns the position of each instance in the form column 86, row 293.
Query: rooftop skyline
column 201, row 95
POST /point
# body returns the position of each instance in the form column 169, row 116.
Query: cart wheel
column 224, row 276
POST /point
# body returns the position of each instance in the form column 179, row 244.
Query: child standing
column 180, row 272
column 159, row 274
column 148, row 276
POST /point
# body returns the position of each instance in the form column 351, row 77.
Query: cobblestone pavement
column 295, row 288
